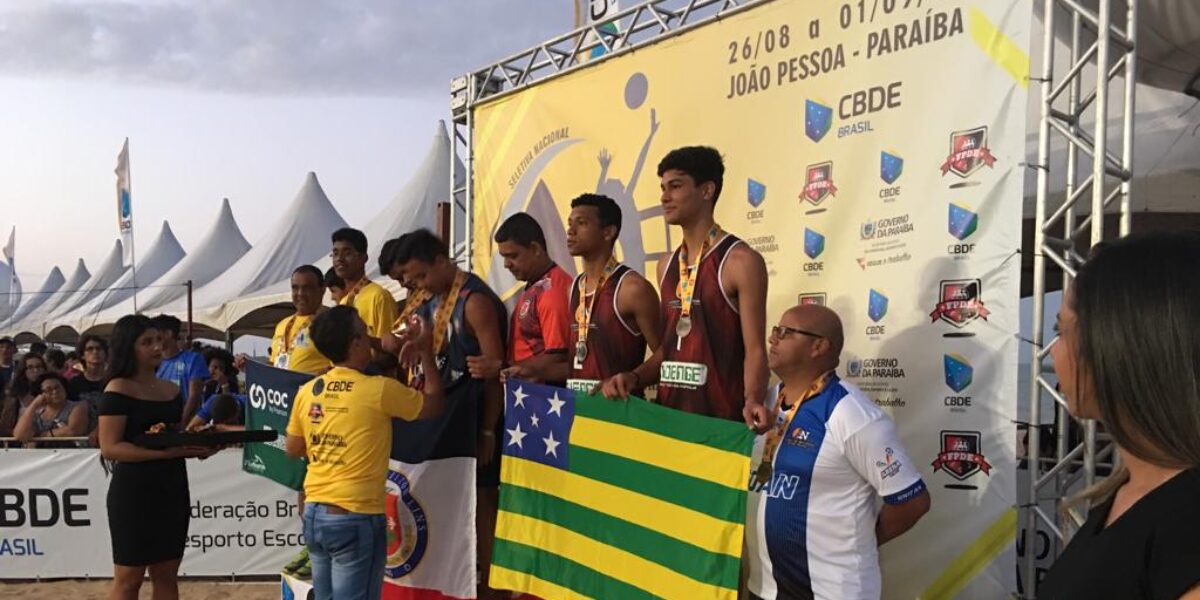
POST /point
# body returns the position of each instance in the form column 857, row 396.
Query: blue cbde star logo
column 959, row 372
column 962, row 222
column 818, row 118
column 756, row 193
column 877, row 305
column 814, row 243
column 891, row 166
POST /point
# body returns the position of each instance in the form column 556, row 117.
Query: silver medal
column 683, row 327
column 581, row 351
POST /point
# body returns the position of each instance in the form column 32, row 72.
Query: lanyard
column 441, row 318
column 287, row 335
column 686, row 289
column 583, row 312
column 348, row 299
column 775, row 435
column 414, row 301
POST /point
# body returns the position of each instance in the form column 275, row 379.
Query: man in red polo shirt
column 541, row 319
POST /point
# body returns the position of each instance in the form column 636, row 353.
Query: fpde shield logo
column 968, row 153
column 814, row 298
column 960, row 302
column 961, row 457
column 959, row 375
column 818, row 184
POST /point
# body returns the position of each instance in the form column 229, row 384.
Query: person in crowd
column 714, row 303
column 21, row 391
column 56, row 362
column 74, row 365
column 292, row 348
column 223, row 412
column 467, row 320
column 830, row 439
column 88, row 386
column 540, row 324
column 336, row 286
column 1129, row 338
column 614, row 309
column 148, row 498
column 51, row 414
column 8, row 354
column 341, row 421
column 222, row 374
column 74, row 362
column 184, row 368
column 37, row 349
column 374, row 304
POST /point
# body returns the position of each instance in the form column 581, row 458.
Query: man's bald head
column 820, row 320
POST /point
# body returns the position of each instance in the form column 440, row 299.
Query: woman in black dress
column 148, row 497
column 1128, row 354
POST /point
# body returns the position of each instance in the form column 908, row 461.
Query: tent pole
column 189, row 309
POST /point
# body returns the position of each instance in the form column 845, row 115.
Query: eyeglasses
column 92, row 349
column 781, row 332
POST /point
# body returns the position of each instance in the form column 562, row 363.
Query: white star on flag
column 551, row 445
column 515, row 435
column 519, row 397
column 556, row 405
column 534, row 419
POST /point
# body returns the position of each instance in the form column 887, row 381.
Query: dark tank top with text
column 703, row 372
column 612, row 345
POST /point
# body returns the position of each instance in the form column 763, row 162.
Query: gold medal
column 762, row 474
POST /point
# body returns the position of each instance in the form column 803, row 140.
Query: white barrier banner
column 54, row 520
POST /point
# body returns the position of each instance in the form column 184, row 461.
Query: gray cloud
column 385, row 47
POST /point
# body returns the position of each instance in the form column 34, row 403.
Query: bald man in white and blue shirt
column 831, row 480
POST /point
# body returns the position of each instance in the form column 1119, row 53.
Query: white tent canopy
column 33, row 318
column 53, row 282
column 109, row 272
column 301, row 237
column 222, row 245
column 415, row 206
column 163, row 254
column 10, row 295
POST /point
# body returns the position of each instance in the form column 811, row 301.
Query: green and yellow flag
column 604, row 499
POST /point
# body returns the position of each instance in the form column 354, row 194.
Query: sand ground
column 97, row 589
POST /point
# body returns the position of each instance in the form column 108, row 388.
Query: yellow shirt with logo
column 302, row 354
column 376, row 307
column 344, row 417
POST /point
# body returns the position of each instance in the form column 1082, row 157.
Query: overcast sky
column 226, row 98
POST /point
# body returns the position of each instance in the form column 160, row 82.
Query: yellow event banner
column 873, row 153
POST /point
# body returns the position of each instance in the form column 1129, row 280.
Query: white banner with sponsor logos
column 53, row 517
column 873, row 154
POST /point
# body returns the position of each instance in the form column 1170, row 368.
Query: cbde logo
column 814, row 246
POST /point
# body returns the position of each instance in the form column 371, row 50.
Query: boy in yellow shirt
column 341, row 422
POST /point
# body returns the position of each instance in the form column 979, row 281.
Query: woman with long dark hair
column 148, row 497
column 1128, row 354
column 20, row 394
column 51, row 414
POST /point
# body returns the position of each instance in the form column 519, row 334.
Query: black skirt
column 148, row 512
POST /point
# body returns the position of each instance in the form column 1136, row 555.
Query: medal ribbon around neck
column 442, row 317
column 583, row 312
column 287, row 335
column 686, row 288
column 775, row 435
column 348, row 299
column 414, row 301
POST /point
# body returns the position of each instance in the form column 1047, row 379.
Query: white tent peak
column 109, row 272
column 53, row 283
column 160, row 257
column 300, row 237
column 220, row 247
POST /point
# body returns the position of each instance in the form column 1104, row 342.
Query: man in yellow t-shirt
column 374, row 304
column 291, row 345
column 341, row 422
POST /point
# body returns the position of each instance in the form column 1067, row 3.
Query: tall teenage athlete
column 375, row 305
column 615, row 310
column 714, row 301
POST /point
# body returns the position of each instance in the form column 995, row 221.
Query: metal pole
column 189, row 310
column 468, row 181
column 1033, row 452
column 1127, row 125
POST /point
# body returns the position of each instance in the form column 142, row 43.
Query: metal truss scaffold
column 1098, row 173
column 622, row 32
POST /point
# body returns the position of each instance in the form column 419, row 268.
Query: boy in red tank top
column 714, row 293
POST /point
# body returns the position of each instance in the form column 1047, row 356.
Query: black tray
column 169, row 439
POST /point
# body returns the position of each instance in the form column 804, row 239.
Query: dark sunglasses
column 782, row 331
